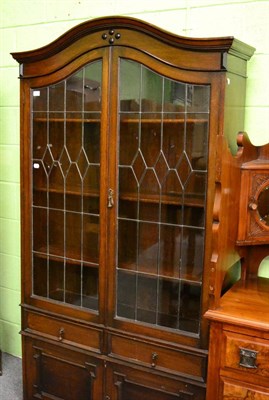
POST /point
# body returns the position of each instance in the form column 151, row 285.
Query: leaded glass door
column 66, row 120
column 163, row 131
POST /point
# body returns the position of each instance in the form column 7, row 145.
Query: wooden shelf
column 76, row 120
column 165, row 120
column 43, row 254
column 187, row 278
column 171, row 199
column 128, row 120
column 75, row 299
column 68, row 192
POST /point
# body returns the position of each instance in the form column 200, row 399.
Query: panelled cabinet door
column 66, row 161
column 55, row 373
column 162, row 136
column 130, row 384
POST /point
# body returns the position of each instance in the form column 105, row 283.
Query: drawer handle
column 61, row 334
column 154, row 358
column 248, row 358
column 110, row 199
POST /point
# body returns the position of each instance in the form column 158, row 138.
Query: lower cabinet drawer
column 240, row 390
column 248, row 354
column 183, row 362
column 63, row 331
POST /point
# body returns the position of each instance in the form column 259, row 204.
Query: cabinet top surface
column 245, row 304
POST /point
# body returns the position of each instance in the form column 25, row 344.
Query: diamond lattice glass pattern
column 66, row 172
column 163, row 145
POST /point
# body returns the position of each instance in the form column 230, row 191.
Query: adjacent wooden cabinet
column 239, row 350
column 239, row 334
column 129, row 202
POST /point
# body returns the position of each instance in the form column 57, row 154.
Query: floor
column 11, row 378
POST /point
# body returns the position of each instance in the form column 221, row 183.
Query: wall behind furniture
column 28, row 24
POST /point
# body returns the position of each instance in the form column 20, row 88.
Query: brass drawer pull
column 61, row 334
column 248, row 358
column 110, row 199
column 154, row 358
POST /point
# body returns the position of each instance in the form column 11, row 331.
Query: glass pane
column 40, row 230
column 192, row 254
column 190, row 304
column 91, row 238
column 90, row 286
column 56, row 279
column 130, row 94
column 57, row 97
column 40, row 275
column 127, row 244
column 92, row 86
column 72, row 284
column 162, row 172
column 73, row 186
column 66, row 174
column 175, row 96
column 150, row 139
column 198, row 98
column 56, row 232
column 126, row 290
column 40, row 129
column 92, row 179
column 130, row 124
column 151, row 90
column 148, row 247
column 56, row 186
column 74, row 92
column 39, row 184
column 74, row 128
column 40, row 99
column 91, row 137
column 73, row 224
column 196, row 141
column 168, row 303
column 170, row 250
column 146, row 299
column 128, row 205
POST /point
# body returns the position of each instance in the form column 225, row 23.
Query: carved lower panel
column 52, row 377
column 131, row 384
column 59, row 373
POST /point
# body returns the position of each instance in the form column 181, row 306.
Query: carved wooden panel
column 236, row 390
column 253, row 226
column 132, row 384
column 59, row 373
